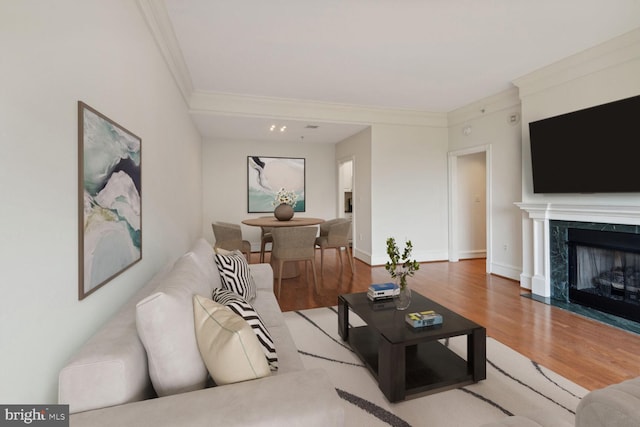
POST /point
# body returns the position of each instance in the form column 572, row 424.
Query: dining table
column 290, row 269
column 271, row 221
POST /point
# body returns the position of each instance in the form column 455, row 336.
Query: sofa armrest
column 617, row 405
column 262, row 275
column 304, row 398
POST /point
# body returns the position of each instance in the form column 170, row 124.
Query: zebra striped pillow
column 235, row 274
column 243, row 309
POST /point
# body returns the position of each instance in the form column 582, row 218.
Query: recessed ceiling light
column 281, row 128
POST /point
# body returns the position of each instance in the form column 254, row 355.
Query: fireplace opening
column 604, row 271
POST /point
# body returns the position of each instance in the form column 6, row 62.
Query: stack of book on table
column 381, row 291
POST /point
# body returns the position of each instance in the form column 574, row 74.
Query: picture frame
column 267, row 175
column 109, row 199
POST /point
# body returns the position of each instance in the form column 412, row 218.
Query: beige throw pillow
column 224, row 251
column 228, row 346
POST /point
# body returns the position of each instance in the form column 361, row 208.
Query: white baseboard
column 362, row 256
column 525, row 281
column 478, row 253
column 504, row 270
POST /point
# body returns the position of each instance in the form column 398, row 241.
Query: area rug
column 515, row 385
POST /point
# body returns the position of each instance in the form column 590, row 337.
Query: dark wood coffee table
column 410, row 362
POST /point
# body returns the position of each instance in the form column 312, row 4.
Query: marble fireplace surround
column 544, row 252
column 543, row 228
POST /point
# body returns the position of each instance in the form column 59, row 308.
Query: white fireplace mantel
column 536, row 274
column 583, row 213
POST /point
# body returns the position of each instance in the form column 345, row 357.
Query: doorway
column 469, row 204
column 346, row 192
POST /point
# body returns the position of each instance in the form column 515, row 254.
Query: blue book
column 381, row 286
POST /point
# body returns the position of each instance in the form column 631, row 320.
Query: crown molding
column 157, row 18
column 606, row 55
column 255, row 106
column 507, row 99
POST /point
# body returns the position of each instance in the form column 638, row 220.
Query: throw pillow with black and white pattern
column 245, row 310
column 235, row 274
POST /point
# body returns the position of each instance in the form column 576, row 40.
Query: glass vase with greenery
column 400, row 267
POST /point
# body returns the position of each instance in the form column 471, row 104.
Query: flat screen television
column 595, row 150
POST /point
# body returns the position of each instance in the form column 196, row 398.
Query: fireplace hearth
column 604, row 271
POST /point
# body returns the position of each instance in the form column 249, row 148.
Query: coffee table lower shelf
column 429, row 367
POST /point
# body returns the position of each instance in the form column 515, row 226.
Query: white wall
column 224, row 194
column 471, row 218
column 54, row 54
column 409, row 190
column 488, row 123
column 606, row 73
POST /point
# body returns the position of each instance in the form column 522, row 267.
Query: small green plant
column 400, row 267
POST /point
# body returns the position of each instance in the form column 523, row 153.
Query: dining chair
column 265, row 237
column 229, row 237
column 294, row 244
column 335, row 234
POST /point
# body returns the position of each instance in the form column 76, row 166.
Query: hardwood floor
column 587, row 352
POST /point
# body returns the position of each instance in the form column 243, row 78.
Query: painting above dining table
column 267, row 175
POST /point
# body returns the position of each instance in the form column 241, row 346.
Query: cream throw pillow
column 228, row 346
column 223, row 251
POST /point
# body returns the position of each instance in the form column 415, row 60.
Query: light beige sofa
column 617, row 405
column 107, row 382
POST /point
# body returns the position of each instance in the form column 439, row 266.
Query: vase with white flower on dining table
column 284, row 202
column 283, row 212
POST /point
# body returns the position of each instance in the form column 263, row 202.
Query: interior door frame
column 340, row 198
column 453, row 204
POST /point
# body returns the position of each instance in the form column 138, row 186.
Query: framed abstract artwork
column 109, row 199
column 267, row 175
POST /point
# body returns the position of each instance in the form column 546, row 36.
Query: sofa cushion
column 267, row 305
column 236, row 275
column 243, row 309
column 111, row 367
column 203, row 255
column 229, row 347
column 617, row 405
column 164, row 321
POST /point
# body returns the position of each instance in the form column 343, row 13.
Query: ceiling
column 426, row 55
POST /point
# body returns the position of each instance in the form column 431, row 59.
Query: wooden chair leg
column 281, row 263
column 351, row 261
column 315, row 277
column 322, row 261
column 263, row 245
